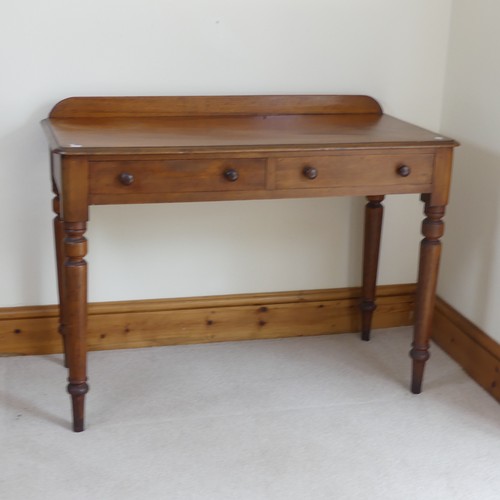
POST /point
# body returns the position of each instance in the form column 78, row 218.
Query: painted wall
column 470, row 273
column 394, row 50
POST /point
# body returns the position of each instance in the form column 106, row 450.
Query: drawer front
column 354, row 171
column 177, row 176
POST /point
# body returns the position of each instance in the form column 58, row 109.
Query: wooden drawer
column 177, row 176
column 354, row 171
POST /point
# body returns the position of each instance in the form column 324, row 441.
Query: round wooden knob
column 404, row 170
column 231, row 174
column 126, row 179
column 310, row 172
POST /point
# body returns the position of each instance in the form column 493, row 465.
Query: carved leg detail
column 430, row 251
column 75, row 279
column 59, row 244
column 373, row 227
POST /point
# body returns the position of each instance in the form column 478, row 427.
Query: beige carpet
column 305, row 418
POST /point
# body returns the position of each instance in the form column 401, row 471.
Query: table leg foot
column 78, row 392
column 419, row 357
column 367, row 307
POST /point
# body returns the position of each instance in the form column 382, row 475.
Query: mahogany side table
column 113, row 150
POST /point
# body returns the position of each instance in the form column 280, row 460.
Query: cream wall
column 470, row 273
column 394, row 50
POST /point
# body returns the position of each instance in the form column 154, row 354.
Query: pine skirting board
column 147, row 323
column 476, row 352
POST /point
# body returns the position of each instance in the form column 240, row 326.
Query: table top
column 80, row 126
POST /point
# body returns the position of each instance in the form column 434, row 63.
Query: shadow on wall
column 471, row 262
column 356, row 226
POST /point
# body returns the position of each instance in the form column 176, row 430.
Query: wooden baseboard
column 476, row 352
column 147, row 323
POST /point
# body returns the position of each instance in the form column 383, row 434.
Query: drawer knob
column 404, row 170
column 310, row 172
column 126, row 179
column 231, row 174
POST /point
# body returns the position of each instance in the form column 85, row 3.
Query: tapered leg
column 430, row 252
column 59, row 244
column 373, row 227
column 75, row 304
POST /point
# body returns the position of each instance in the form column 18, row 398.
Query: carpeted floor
column 312, row 418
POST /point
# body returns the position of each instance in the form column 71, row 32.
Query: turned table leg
column 373, row 227
column 430, row 251
column 75, row 305
column 59, row 245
